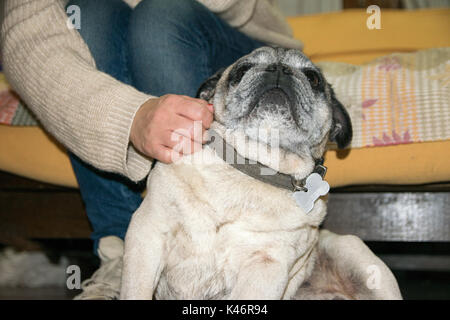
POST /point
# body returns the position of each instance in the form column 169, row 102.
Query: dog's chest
column 206, row 247
column 203, row 261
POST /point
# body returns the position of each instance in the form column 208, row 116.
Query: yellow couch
column 343, row 37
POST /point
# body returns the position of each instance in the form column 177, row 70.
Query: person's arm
column 52, row 70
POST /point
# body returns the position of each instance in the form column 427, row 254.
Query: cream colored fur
column 207, row 231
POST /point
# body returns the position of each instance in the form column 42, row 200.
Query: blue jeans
column 159, row 47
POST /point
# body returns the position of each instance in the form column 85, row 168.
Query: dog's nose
column 279, row 67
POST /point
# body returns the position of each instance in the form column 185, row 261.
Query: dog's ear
column 341, row 128
column 208, row 88
column 346, row 269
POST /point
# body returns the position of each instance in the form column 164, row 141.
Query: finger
column 196, row 112
column 210, row 106
column 194, row 99
column 180, row 143
column 188, row 128
column 166, row 155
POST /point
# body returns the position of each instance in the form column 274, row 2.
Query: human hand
column 167, row 127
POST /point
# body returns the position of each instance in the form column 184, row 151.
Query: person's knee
column 96, row 17
column 158, row 19
column 167, row 9
column 98, row 6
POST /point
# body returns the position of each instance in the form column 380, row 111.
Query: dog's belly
column 191, row 279
column 208, row 268
column 194, row 268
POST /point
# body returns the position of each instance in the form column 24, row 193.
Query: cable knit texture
column 91, row 113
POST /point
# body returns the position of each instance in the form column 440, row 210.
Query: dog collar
column 305, row 191
column 274, row 178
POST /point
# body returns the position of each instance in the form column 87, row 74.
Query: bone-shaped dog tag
column 316, row 188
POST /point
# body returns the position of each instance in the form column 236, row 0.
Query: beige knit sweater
column 51, row 68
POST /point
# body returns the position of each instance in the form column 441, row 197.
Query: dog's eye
column 237, row 74
column 313, row 78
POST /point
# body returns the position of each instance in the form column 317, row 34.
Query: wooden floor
column 426, row 283
column 36, row 294
column 414, row 286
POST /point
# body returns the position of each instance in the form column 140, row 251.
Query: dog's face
column 278, row 89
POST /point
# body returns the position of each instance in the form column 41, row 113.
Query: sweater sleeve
column 52, row 70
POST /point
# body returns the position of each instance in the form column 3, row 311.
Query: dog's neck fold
column 278, row 165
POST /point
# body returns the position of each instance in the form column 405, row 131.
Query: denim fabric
column 159, row 47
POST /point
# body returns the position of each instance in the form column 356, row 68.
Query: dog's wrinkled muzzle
column 278, row 76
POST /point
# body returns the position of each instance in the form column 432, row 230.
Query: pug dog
column 207, row 230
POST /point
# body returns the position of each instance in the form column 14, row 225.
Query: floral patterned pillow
column 396, row 99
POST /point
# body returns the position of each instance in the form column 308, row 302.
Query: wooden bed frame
column 31, row 210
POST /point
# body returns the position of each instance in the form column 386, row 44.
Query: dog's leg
column 143, row 260
column 345, row 268
column 260, row 279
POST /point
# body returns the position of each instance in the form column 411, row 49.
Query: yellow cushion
column 30, row 152
column 344, row 36
column 415, row 163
